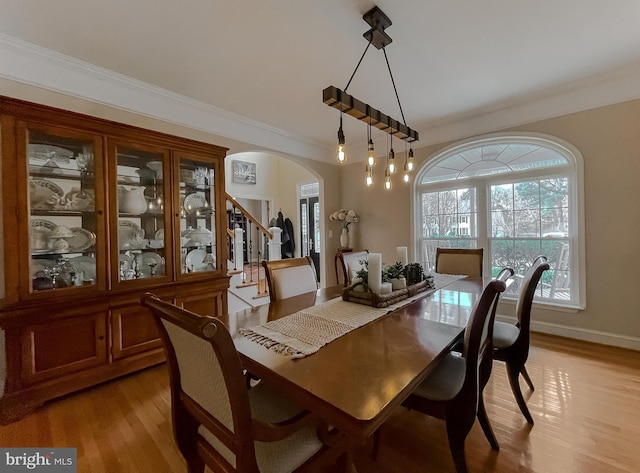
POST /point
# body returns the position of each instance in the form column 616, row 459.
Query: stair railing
column 267, row 244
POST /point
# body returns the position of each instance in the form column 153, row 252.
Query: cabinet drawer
column 133, row 331
column 65, row 346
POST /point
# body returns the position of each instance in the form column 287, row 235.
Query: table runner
column 306, row 331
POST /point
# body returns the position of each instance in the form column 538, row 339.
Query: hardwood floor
column 585, row 406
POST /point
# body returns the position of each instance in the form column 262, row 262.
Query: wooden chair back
column 208, row 387
column 525, row 298
column 467, row 261
column 290, row 277
column 350, row 263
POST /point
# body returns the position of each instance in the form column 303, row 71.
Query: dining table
column 356, row 381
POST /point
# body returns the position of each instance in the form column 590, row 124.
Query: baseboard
column 587, row 335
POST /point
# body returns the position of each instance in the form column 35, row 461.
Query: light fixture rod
column 356, row 69
column 350, row 105
column 394, row 86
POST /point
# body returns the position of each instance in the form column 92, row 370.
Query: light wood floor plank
column 585, row 406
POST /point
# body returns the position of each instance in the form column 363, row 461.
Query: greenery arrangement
column 363, row 272
column 394, row 271
column 414, row 273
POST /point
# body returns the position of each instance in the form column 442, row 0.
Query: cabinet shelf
column 60, row 173
column 62, row 213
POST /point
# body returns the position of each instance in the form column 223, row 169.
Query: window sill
column 556, row 307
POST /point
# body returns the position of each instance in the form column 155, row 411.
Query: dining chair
column 220, row 423
column 351, row 264
column 452, row 391
column 511, row 341
column 290, row 277
column 467, row 261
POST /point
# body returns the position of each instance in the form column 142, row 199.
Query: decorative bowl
column 61, row 231
column 201, row 236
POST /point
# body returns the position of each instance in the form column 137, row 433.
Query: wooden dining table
column 355, row 382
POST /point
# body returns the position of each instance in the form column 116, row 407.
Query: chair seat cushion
column 268, row 405
column 445, row 380
column 504, row 334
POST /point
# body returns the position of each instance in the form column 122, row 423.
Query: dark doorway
column 310, row 230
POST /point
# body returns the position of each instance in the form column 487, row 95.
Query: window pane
column 527, row 223
column 501, row 224
column 527, row 195
column 502, row 197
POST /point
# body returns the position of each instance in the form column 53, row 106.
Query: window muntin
column 492, row 159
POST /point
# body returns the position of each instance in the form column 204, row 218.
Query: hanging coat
column 288, row 248
column 285, row 250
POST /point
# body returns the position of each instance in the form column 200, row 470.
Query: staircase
column 247, row 287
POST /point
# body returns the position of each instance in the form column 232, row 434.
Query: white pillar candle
column 401, row 252
column 375, row 272
column 385, row 288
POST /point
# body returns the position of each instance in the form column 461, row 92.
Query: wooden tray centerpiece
column 360, row 293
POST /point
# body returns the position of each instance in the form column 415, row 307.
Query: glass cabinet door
column 141, row 211
column 197, row 225
column 64, row 227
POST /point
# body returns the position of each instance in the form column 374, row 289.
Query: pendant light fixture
column 341, row 150
column 371, row 156
column 410, row 160
column 392, row 158
column 339, row 99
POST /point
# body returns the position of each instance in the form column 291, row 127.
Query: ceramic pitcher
column 132, row 200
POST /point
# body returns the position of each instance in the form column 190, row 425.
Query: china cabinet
column 95, row 214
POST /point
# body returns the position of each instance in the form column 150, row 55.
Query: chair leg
column 486, row 425
column 457, row 436
column 513, row 375
column 526, row 377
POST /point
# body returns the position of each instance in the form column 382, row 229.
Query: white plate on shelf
column 86, row 264
column 159, row 234
column 81, row 239
column 44, row 194
column 194, row 202
column 194, row 260
column 144, row 259
column 129, row 231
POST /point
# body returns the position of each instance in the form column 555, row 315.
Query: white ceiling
column 488, row 64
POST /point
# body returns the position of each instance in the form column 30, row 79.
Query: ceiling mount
column 378, row 22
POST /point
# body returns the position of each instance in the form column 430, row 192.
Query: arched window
column 517, row 196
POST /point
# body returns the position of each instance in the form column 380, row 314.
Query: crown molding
column 598, row 90
column 25, row 62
